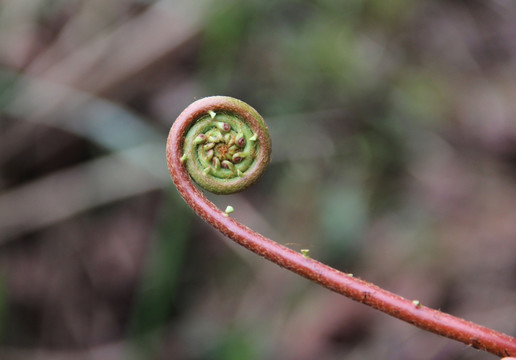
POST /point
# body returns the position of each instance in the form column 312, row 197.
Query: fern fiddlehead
column 228, row 146
column 205, row 144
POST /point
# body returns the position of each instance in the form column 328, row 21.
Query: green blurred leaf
column 155, row 300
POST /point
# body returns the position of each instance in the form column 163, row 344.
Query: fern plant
column 223, row 144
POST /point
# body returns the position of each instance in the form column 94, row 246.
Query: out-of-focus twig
column 68, row 192
column 116, row 56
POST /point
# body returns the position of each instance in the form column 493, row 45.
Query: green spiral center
column 219, row 150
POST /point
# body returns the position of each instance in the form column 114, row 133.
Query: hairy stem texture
column 223, row 122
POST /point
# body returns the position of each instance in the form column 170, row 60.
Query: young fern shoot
column 223, row 144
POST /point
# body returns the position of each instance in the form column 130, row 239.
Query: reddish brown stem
column 412, row 312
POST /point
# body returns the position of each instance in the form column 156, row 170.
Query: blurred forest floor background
column 394, row 158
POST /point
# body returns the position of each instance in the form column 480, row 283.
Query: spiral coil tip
column 226, row 144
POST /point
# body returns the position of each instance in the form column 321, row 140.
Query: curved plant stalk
column 181, row 157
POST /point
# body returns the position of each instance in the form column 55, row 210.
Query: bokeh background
column 394, row 158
